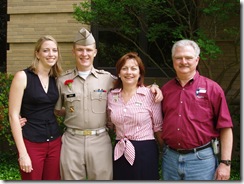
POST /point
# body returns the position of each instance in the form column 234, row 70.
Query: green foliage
column 5, row 130
column 161, row 23
column 9, row 166
column 150, row 27
column 235, row 170
column 115, row 50
column 220, row 10
column 210, row 49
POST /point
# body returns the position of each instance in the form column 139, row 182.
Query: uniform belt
column 86, row 132
column 186, row 151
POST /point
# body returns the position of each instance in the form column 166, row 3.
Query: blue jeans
column 200, row 165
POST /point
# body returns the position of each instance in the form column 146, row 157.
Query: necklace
column 44, row 84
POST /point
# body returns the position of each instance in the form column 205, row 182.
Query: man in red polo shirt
column 195, row 116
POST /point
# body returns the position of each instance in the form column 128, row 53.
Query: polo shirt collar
column 196, row 76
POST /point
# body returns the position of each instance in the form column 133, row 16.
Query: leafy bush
column 235, row 170
column 9, row 166
column 5, row 130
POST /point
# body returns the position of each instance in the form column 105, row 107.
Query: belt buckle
column 87, row 132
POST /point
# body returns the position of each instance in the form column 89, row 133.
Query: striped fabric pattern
column 137, row 120
column 124, row 146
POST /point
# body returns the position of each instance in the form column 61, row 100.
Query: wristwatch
column 226, row 162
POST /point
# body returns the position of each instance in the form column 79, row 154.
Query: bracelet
column 21, row 158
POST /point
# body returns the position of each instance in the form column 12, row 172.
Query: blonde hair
column 56, row 70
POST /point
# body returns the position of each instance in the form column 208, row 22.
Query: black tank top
column 38, row 108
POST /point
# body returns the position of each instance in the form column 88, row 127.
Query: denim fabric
column 200, row 165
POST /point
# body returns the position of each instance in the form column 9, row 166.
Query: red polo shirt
column 193, row 114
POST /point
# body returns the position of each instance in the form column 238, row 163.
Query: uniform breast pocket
column 72, row 102
column 98, row 102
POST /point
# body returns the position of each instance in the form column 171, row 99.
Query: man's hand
column 222, row 172
column 156, row 90
column 226, row 139
column 22, row 121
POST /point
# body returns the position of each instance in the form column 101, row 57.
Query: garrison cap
column 84, row 37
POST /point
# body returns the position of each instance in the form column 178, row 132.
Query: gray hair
column 183, row 43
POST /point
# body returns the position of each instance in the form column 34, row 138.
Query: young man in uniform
column 86, row 150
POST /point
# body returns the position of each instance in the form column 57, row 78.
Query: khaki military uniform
column 86, row 146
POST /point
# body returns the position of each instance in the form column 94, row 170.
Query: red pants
column 45, row 158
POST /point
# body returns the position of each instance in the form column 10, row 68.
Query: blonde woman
column 33, row 95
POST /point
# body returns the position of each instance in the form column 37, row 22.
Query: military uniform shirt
column 84, row 100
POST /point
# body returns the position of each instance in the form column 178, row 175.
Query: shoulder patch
column 106, row 72
column 102, row 71
column 113, row 76
column 67, row 72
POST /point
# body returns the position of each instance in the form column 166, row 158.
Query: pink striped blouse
column 137, row 119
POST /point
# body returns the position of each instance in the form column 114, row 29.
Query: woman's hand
column 25, row 163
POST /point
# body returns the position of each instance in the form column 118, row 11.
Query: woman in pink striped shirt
column 137, row 119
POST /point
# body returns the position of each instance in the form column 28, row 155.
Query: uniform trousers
column 86, row 157
column 146, row 164
column 200, row 165
column 45, row 159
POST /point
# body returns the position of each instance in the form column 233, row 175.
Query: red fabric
column 45, row 159
column 193, row 114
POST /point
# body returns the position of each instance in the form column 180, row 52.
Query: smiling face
column 47, row 54
column 84, row 56
column 184, row 61
column 130, row 72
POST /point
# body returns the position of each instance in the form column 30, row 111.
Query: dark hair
column 121, row 62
